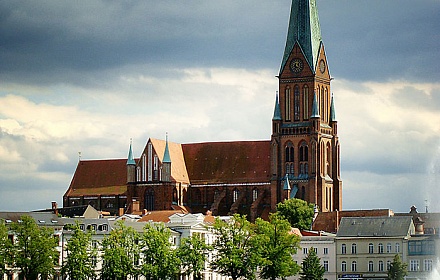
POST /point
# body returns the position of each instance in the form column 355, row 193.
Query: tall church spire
column 130, row 160
column 305, row 30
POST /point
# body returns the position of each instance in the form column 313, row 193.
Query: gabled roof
column 178, row 167
column 228, row 162
column 99, row 177
column 376, row 227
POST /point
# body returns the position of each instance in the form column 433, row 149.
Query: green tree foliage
column 5, row 248
column 81, row 256
column 160, row 261
column 311, row 267
column 193, row 252
column 398, row 269
column 120, row 253
column 35, row 253
column 276, row 244
column 298, row 212
column 236, row 254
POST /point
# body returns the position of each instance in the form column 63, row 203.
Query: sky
column 80, row 79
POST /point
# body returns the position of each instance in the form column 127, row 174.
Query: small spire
column 277, row 111
column 286, row 183
column 130, row 160
column 332, row 110
column 166, row 154
column 315, row 109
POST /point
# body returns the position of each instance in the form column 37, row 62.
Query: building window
column 380, row 248
column 380, row 265
column 397, row 248
column 370, row 248
column 303, row 152
column 353, row 266
column 287, row 105
column 427, row 265
column 254, row 194
column 414, row 265
column 343, row 249
column 305, row 251
column 353, row 249
column 296, row 103
column 325, row 264
column 306, row 102
column 325, row 251
column 388, row 247
column 149, row 200
column 344, row 266
column 235, row 195
column 289, row 153
column 388, row 265
column 370, row 266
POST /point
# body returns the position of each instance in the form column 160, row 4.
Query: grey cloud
column 411, row 97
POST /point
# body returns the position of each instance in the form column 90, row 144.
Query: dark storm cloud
column 381, row 40
column 57, row 41
column 43, row 38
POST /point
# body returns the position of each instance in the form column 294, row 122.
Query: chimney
column 135, row 206
column 121, row 212
column 55, row 207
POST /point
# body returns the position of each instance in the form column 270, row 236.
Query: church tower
column 304, row 142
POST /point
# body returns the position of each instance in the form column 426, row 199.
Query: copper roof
column 99, row 177
column 228, row 162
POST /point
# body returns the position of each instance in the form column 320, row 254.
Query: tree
column 311, row 267
column 398, row 269
column 5, row 248
column 81, row 256
column 236, row 253
column 35, row 253
column 160, row 260
column 192, row 253
column 298, row 212
column 120, row 253
column 277, row 245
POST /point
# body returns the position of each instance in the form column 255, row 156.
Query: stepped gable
column 228, row 162
column 178, row 167
column 99, row 177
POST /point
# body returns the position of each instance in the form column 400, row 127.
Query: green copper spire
column 166, row 154
column 130, row 160
column 286, row 186
column 315, row 109
column 277, row 111
column 303, row 28
column 332, row 110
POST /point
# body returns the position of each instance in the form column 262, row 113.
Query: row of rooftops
column 401, row 224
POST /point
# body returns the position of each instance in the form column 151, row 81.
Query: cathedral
column 301, row 159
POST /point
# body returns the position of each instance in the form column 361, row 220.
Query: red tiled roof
column 228, row 162
column 160, row 216
column 99, row 177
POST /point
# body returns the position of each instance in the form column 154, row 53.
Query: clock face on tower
column 296, row 65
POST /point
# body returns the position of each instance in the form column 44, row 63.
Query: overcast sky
column 88, row 76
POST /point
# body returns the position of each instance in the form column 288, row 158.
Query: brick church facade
column 301, row 159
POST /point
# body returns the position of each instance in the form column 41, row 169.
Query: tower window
column 296, row 103
column 290, row 153
column 287, row 105
column 306, row 102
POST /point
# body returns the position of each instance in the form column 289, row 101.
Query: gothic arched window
column 296, row 103
column 149, row 200
column 306, row 102
column 290, row 153
column 254, row 194
column 235, row 195
column 287, row 104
